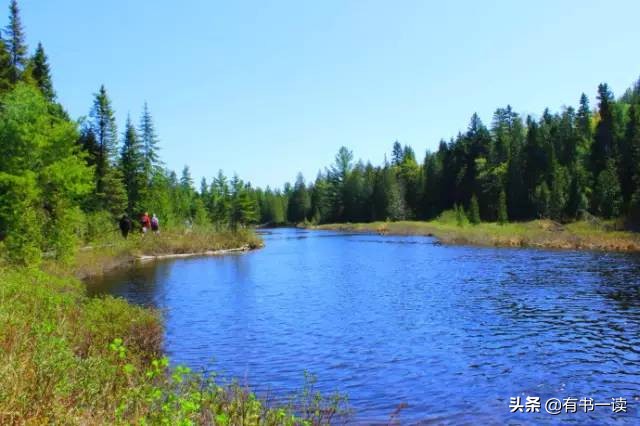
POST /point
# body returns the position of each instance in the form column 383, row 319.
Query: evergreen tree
column 396, row 154
column 186, row 181
column 149, row 141
column 299, row 202
column 132, row 166
column 221, row 195
column 109, row 189
column 16, row 42
column 607, row 194
column 242, row 208
column 603, row 147
column 629, row 163
column 41, row 73
column 204, row 189
column 6, row 70
column 633, row 141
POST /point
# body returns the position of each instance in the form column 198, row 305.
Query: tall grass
column 109, row 250
column 537, row 233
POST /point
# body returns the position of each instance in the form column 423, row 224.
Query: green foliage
column 132, row 166
column 39, row 70
column 474, row 211
column 44, row 176
column 100, row 139
column 16, row 45
column 607, row 193
column 5, row 68
column 299, row 202
column 19, row 217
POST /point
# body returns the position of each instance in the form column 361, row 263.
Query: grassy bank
column 537, row 233
column 113, row 251
column 66, row 358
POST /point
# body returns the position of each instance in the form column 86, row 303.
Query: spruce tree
column 132, row 166
column 603, row 147
column 299, row 202
column 632, row 137
column 242, row 208
column 149, row 141
column 16, row 42
column 6, row 72
column 41, row 73
column 396, row 154
column 110, row 192
column 186, row 181
column 221, row 195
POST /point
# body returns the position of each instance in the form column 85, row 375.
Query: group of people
column 146, row 223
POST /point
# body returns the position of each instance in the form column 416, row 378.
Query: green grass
column 537, row 233
column 112, row 251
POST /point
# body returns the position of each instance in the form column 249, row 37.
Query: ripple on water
column 453, row 332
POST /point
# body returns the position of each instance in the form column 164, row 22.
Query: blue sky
column 270, row 88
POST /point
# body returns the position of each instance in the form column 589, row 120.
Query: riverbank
column 66, row 358
column 115, row 252
column 538, row 233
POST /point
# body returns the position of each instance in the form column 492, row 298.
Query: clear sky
column 270, row 88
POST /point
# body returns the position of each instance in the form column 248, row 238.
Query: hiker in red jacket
column 145, row 221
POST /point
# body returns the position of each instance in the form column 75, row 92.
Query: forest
column 64, row 181
column 560, row 166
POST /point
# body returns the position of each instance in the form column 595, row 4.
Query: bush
column 99, row 226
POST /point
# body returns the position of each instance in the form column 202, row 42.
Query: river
column 453, row 331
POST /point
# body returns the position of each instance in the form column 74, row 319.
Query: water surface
column 453, row 331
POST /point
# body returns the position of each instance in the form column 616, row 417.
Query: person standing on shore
column 155, row 224
column 125, row 225
column 145, row 222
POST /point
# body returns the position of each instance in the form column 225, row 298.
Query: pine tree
column 41, row 73
column 16, row 42
column 221, row 195
column 186, row 181
column 299, row 202
column 396, row 154
column 242, row 208
column 204, row 188
column 103, row 154
column 149, row 141
column 629, row 154
column 603, row 147
column 632, row 137
column 132, row 166
column 5, row 68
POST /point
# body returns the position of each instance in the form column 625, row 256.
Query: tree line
column 561, row 166
column 64, row 181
